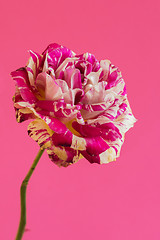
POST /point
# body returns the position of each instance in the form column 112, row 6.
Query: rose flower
column 78, row 105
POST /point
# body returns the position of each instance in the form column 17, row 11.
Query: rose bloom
column 78, row 105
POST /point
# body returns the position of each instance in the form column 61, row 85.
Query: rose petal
column 63, row 156
column 95, row 95
column 73, row 96
column 91, row 59
column 40, row 132
column 56, row 55
column 73, row 78
column 49, row 86
column 21, row 78
column 34, row 66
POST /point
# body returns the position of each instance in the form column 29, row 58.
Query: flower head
column 78, row 105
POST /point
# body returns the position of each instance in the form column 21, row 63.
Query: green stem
column 24, row 184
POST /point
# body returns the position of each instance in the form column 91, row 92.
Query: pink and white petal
column 73, row 96
column 23, row 104
column 24, row 114
column 54, row 46
column 37, row 59
column 49, row 86
column 72, row 77
column 40, row 132
column 64, row 64
column 62, row 84
column 52, row 106
column 119, row 88
column 119, row 114
column 17, row 96
column 109, row 114
column 86, row 130
column 108, row 156
column 34, row 67
column 51, row 47
column 114, row 77
column 125, row 121
column 54, row 124
column 93, row 77
column 79, row 118
column 31, row 70
column 84, row 67
column 25, row 111
column 66, row 115
column 116, row 145
column 89, row 115
column 122, row 109
column 95, row 95
column 108, row 131
column 21, row 78
column 56, row 55
column 63, row 156
column 105, row 65
column 45, row 65
column 62, row 111
column 92, row 110
column 91, row 59
column 92, row 146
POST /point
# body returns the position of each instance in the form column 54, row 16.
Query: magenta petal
column 122, row 109
column 62, row 139
column 96, row 145
column 86, row 130
column 51, row 47
column 58, row 109
column 91, row 159
column 56, row 55
column 37, row 59
column 21, row 78
column 54, row 124
column 51, row 106
column 21, row 117
column 84, row 66
column 91, row 59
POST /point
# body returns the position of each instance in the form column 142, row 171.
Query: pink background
column 117, row 201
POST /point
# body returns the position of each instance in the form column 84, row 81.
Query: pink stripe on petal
column 21, row 78
column 38, row 130
column 37, row 58
column 62, row 156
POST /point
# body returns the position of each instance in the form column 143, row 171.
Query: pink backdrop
column 117, row 201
